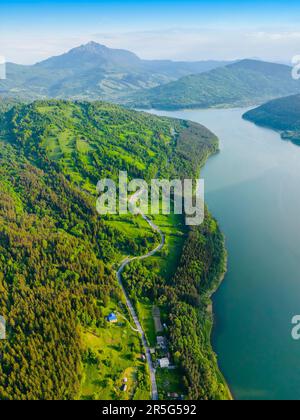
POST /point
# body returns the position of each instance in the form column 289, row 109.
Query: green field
column 112, row 353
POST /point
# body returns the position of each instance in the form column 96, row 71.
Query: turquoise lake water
column 253, row 189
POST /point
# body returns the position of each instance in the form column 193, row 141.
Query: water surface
column 253, row 189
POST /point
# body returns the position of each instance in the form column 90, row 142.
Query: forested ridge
column 201, row 268
column 244, row 83
column 281, row 114
column 57, row 255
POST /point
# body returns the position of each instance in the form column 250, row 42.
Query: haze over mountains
column 93, row 71
column 243, row 83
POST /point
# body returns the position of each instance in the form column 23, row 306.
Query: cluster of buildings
column 162, row 346
column 160, row 353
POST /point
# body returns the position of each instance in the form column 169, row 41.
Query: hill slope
column 57, row 277
column 243, row 83
column 93, row 71
column 280, row 114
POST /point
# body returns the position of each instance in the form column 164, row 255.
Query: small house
column 164, row 363
column 173, row 395
column 112, row 318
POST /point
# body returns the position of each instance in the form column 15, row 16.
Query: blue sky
column 189, row 30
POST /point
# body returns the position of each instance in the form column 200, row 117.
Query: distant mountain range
column 93, row 71
column 242, row 83
column 281, row 114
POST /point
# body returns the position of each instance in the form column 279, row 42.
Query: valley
column 149, row 203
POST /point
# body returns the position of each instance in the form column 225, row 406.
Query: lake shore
column 251, row 188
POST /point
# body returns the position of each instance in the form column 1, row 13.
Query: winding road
column 129, row 304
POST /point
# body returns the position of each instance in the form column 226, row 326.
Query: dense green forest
column 58, row 256
column 185, row 298
column 240, row 84
column 280, row 114
column 202, row 266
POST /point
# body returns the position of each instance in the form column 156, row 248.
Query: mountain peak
column 91, row 46
column 94, row 43
column 258, row 65
column 91, row 55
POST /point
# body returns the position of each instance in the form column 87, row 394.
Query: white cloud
column 277, row 36
column 30, row 49
column 206, row 43
column 176, row 43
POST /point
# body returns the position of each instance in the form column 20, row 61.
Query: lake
column 252, row 188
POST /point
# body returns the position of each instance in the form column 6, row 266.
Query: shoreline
column 211, row 312
column 215, row 282
column 250, row 105
column 210, row 293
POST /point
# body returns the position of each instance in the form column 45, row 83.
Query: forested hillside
column 240, row 84
column 281, row 114
column 58, row 256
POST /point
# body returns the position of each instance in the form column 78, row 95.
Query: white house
column 164, row 362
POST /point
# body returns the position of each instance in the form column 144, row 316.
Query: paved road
column 130, row 306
